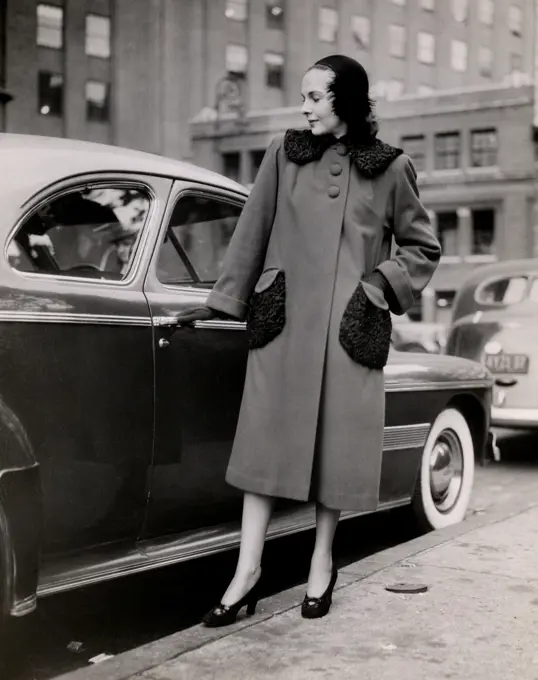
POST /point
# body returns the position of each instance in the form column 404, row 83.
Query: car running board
column 106, row 563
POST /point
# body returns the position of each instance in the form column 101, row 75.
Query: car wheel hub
column 446, row 470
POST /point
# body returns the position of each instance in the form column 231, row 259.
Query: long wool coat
column 319, row 220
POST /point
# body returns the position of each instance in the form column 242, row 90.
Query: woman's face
column 317, row 103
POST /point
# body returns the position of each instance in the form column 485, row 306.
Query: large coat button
column 334, row 191
column 341, row 150
column 336, row 169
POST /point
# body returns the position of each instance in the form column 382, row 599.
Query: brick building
column 453, row 81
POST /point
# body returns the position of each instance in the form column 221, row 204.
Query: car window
column 90, row 232
column 505, row 291
column 533, row 292
column 196, row 240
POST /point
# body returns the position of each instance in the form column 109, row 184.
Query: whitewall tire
column 446, row 477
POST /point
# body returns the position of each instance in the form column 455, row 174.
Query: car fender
column 20, row 516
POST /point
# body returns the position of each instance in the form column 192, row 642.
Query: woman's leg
column 322, row 562
column 257, row 512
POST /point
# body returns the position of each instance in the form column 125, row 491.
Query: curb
column 143, row 659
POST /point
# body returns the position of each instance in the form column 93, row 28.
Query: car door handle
column 165, row 321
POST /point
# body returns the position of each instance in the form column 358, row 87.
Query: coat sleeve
column 245, row 255
column 418, row 251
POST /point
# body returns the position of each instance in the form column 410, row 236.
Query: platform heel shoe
column 316, row 607
column 224, row 615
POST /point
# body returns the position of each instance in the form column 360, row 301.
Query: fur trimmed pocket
column 267, row 311
column 365, row 331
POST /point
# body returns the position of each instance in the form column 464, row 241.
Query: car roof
column 35, row 161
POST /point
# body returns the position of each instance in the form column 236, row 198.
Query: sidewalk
column 478, row 619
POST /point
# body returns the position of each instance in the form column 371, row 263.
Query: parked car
column 495, row 321
column 116, row 424
column 417, row 336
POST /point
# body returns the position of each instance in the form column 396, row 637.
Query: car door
column 199, row 372
column 77, row 352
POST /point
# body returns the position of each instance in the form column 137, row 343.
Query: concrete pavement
column 478, row 618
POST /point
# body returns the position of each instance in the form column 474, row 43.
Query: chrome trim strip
column 220, row 325
column 514, row 416
column 148, row 555
column 24, row 607
column 439, row 385
column 398, row 437
column 73, row 318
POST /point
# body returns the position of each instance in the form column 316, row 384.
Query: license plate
column 507, row 363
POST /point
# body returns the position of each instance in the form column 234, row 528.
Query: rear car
column 495, row 322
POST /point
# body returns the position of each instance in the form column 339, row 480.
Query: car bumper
column 514, row 417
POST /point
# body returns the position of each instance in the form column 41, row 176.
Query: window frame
column 61, row 114
column 333, row 12
column 77, row 184
column 280, row 19
column 197, row 191
column 419, row 51
column 474, row 134
column 424, row 151
column 516, row 26
column 401, row 30
column 61, row 46
column 365, row 27
column 497, row 278
column 267, row 66
column 87, row 33
column 240, row 75
column 454, row 63
column 99, row 121
column 243, row 4
column 490, row 14
column 445, row 135
column 460, row 6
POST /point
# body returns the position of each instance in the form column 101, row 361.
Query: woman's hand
column 188, row 316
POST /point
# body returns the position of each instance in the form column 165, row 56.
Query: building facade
column 212, row 81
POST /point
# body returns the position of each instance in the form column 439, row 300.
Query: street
column 69, row 630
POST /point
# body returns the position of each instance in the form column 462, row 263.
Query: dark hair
column 350, row 99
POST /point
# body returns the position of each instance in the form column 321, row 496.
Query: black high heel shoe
column 224, row 615
column 316, row 607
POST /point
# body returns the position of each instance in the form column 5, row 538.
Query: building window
column 97, row 101
column 98, row 36
column 236, row 10
column 447, row 150
column 447, row 232
column 515, row 20
column 486, row 11
column 397, row 41
column 428, row 5
column 50, row 88
column 425, row 48
column 459, row 10
column 274, row 12
column 483, row 226
column 274, row 70
column 485, row 57
column 516, row 63
column 415, row 147
column 401, row 3
column 328, row 24
column 459, row 56
column 425, row 90
column 361, row 29
column 50, row 26
column 483, row 148
column 236, row 60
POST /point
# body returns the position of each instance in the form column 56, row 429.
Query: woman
column 310, row 268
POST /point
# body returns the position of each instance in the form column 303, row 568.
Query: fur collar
column 371, row 160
